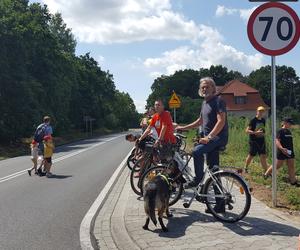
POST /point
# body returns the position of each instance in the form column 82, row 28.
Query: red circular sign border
column 260, row 48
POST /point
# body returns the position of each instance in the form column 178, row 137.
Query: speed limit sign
column 273, row 28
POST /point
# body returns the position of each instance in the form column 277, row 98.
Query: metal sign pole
column 175, row 115
column 273, row 98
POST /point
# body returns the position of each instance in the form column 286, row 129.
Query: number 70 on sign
column 273, row 28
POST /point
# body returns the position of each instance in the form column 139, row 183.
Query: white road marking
column 14, row 175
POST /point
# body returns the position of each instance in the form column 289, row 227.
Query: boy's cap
column 33, row 142
column 261, row 108
column 289, row 120
column 47, row 137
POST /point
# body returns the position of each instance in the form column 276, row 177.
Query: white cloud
column 243, row 13
column 222, row 11
column 123, row 21
column 100, row 59
column 210, row 50
column 140, row 105
column 155, row 74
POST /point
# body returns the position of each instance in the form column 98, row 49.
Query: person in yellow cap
column 257, row 144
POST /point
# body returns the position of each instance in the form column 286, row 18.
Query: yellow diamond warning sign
column 174, row 101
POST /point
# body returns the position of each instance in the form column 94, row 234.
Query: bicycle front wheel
column 176, row 187
column 227, row 196
column 131, row 159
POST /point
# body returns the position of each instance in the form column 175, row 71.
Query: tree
column 62, row 34
column 287, row 85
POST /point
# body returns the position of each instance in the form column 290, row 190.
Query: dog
column 156, row 196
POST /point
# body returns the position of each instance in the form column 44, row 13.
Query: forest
column 40, row 74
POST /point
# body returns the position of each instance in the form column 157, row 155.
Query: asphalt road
column 45, row 213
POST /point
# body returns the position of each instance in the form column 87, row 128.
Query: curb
column 86, row 235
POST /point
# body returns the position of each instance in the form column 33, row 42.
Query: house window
column 240, row 99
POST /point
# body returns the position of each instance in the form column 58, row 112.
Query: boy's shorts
column 282, row 156
column 49, row 160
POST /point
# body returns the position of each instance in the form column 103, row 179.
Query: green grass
column 237, row 151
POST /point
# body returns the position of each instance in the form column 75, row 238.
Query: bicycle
column 221, row 188
column 152, row 157
column 137, row 152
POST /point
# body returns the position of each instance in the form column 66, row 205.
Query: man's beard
column 205, row 95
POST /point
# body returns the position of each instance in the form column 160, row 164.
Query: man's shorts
column 282, row 156
column 257, row 148
column 49, row 160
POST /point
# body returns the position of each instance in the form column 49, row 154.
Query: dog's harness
column 166, row 179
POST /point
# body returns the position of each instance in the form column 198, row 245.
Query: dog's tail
column 149, row 199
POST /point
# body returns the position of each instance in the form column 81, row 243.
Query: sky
column 139, row 40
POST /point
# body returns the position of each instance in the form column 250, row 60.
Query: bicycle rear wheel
column 137, row 171
column 229, row 199
column 176, row 187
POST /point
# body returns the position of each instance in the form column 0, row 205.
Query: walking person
column 34, row 156
column 257, row 144
column 42, row 130
column 285, row 151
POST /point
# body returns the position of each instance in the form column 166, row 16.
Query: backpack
column 40, row 133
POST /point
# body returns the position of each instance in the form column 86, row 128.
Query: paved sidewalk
column 120, row 220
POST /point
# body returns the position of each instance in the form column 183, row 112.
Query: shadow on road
column 257, row 226
column 59, row 176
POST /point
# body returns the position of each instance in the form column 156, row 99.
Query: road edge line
column 86, row 236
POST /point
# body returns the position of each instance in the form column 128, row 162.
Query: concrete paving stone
column 289, row 248
column 142, row 244
column 106, row 234
column 224, row 246
column 260, row 244
column 189, row 248
column 108, row 240
column 105, row 223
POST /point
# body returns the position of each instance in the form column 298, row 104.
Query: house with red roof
column 240, row 98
